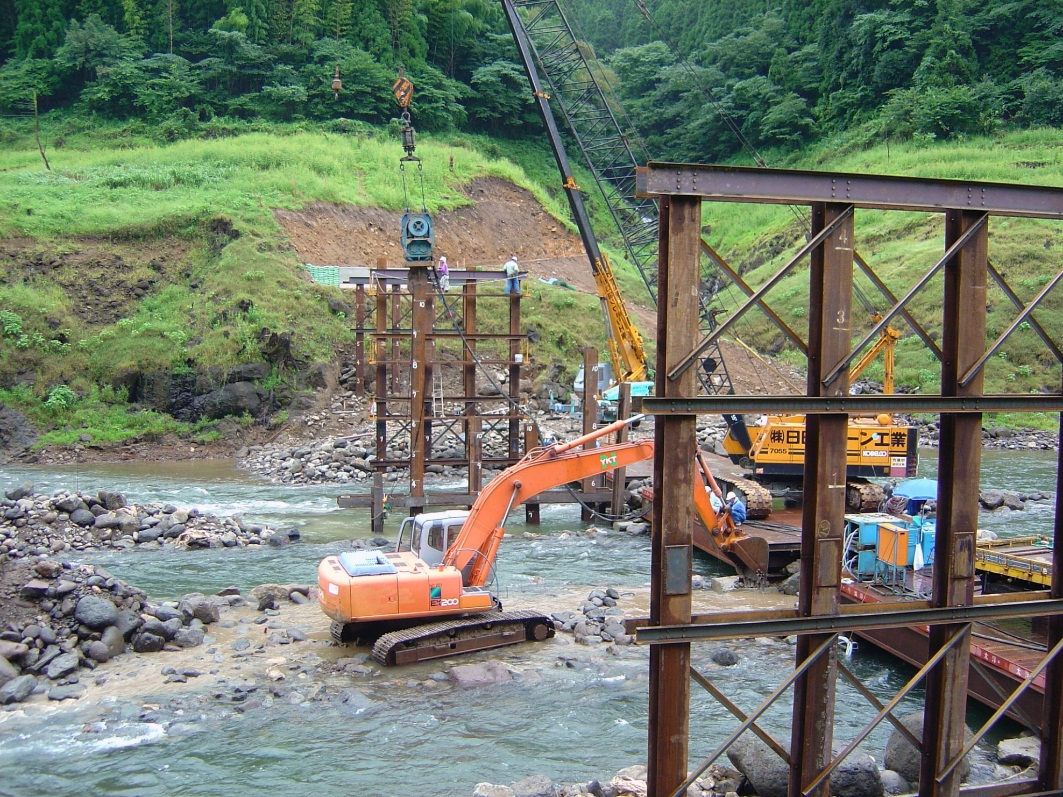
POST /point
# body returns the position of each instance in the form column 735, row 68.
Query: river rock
column 17, row 689
column 893, row 783
column 8, row 671
column 725, row 657
column 18, row 493
column 902, row 756
column 61, row 666
column 857, row 776
column 66, row 692
column 112, row 500
column 200, row 607
column 96, row 612
column 13, row 650
column 98, row 651
column 144, row 642
column 468, row 676
column 535, row 786
column 190, row 637
column 768, row 774
column 491, row 790
column 1022, row 752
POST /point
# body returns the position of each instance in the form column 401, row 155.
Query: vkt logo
column 608, row 460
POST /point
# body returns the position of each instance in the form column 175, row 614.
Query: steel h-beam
column 673, row 513
column 420, row 381
column 1050, row 774
column 959, row 459
column 830, row 297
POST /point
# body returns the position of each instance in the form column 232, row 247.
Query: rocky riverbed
column 75, row 633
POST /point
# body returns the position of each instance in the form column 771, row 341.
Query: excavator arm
column 474, row 549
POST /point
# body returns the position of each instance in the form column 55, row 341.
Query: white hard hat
column 731, row 497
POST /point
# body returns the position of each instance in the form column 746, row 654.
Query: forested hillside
column 784, row 72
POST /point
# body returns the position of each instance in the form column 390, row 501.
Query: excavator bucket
column 752, row 552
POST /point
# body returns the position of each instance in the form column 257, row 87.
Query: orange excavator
column 432, row 596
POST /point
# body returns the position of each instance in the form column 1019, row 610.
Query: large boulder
column 235, row 399
column 766, row 772
column 17, row 689
column 8, row 671
column 23, row 490
column 902, row 756
column 482, row 674
column 96, row 612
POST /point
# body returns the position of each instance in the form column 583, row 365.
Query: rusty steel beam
column 786, row 622
column 420, row 382
column 959, row 458
column 1050, row 774
column 813, row 245
column 473, row 422
column 672, row 543
column 823, row 511
column 796, row 187
column 765, row 308
column 818, row 405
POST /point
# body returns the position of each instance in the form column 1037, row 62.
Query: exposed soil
column 98, row 277
column 502, row 220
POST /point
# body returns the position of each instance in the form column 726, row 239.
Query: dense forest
column 689, row 73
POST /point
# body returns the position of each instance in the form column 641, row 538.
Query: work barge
column 950, row 612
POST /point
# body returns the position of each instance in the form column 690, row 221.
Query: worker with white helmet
column 738, row 509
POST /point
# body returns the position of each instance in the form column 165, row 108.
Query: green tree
column 306, row 21
column 500, row 100
column 366, row 93
column 92, row 45
column 39, row 29
column 135, row 21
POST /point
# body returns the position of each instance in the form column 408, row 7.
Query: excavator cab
column 429, row 534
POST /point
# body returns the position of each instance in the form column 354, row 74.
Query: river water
column 571, row 722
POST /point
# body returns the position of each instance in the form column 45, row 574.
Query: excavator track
column 757, row 498
column 862, row 496
column 464, row 635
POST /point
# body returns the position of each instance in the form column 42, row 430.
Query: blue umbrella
column 918, row 489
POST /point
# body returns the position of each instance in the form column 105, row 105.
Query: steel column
column 423, row 318
column 673, row 512
column 380, row 387
column 473, row 422
column 514, row 378
column 1050, row 773
column 959, row 462
column 822, row 518
column 359, row 341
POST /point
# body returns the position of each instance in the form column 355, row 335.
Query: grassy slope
column 112, row 189
column 114, row 184
column 902, row 247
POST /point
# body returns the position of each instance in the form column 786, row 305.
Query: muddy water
column 572, row 713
